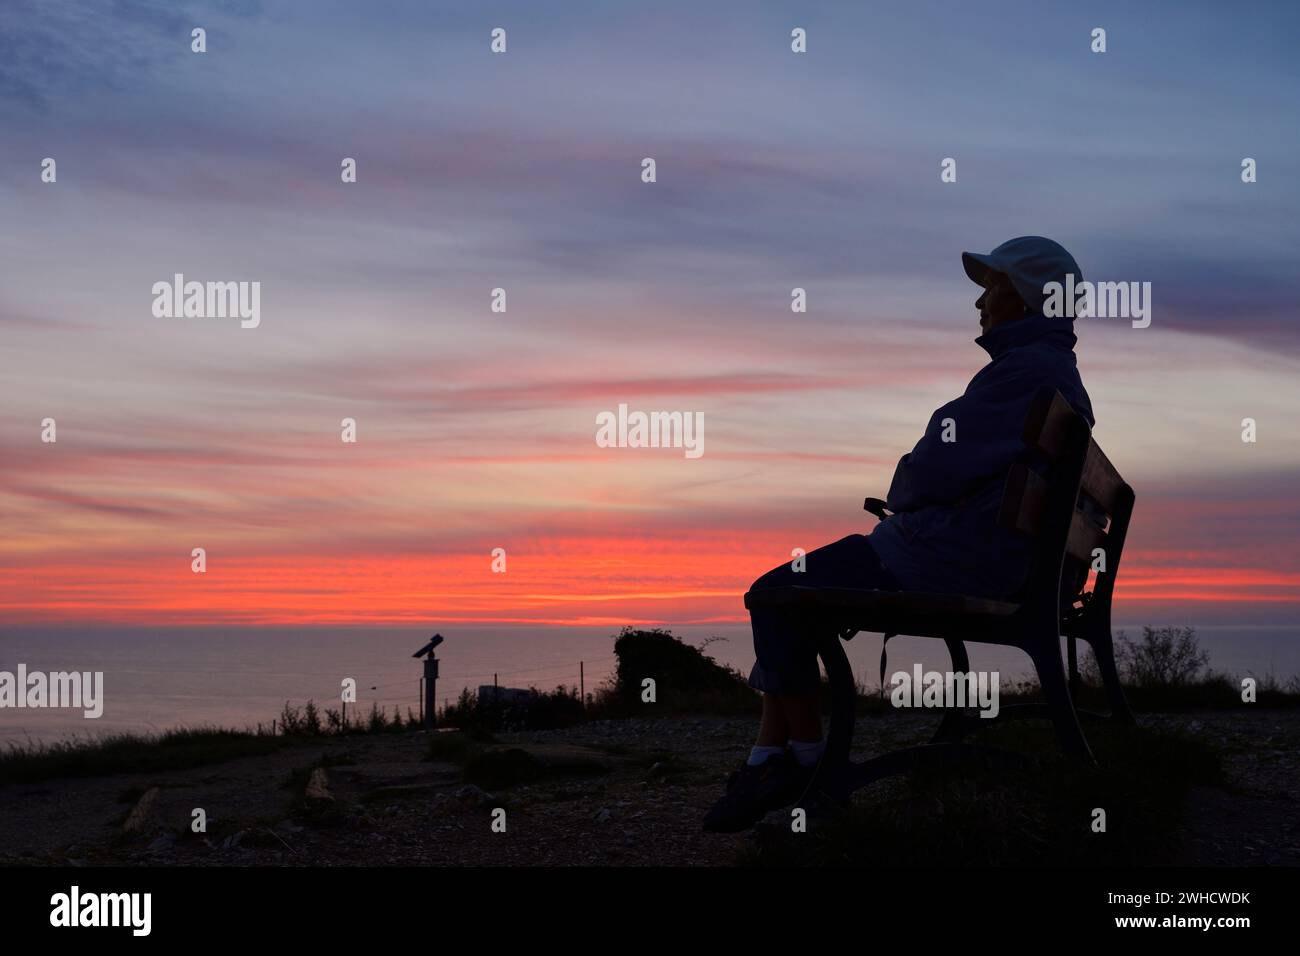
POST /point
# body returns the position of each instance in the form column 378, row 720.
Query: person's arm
column 985, row 432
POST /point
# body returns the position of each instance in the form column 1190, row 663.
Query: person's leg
column 802, row 716
column 786, row 662
column 786, row 672
column 773, row 729
column 786, row 718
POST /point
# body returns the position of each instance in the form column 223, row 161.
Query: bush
column 1165, row 657
column 290, row 721
column 542, row 711
column 1168, row 671
column 177, row 749
column 686, row 679
column 311, row 720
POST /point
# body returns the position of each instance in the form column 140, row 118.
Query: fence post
column 431, row 691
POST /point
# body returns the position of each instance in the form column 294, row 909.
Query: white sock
column 808, row 753
column 758, row 755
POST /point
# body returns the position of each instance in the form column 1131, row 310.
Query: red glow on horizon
column 570, row 582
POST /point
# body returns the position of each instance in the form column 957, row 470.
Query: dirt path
column 625, row 792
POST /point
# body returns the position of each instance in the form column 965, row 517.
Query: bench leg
column 954, row 724
column 830, row 777
column 1103, row 649
column 1056, row 689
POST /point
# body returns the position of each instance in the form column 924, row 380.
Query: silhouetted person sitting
column 942, row 535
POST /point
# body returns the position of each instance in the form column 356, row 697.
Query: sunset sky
column 476, row 430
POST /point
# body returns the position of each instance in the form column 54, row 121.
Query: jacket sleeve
column 968, row 442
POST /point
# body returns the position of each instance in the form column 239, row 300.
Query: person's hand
column 876, row 507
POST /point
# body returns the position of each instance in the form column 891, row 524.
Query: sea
column 156, row 679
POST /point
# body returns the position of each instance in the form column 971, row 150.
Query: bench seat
column 920, row 613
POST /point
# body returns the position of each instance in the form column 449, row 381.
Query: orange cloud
column 596, row 580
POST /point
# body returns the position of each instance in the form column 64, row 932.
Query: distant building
column 506, row 695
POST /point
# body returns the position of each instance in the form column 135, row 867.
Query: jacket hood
column 1058, row 332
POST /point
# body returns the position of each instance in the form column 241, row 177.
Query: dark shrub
column 686, row 680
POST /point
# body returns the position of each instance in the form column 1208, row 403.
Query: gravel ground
column 632, row 793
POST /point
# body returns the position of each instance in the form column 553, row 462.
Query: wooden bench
column 1082, row 506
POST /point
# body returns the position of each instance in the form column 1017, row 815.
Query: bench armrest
column 876, row 507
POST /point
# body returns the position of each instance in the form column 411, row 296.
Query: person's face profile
column 999, row 302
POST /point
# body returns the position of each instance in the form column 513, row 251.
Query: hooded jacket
column 943, row 535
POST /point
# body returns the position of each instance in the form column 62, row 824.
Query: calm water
column 155, row 679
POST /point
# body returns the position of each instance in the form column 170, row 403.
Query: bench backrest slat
column 1084, row 538
column 1024, row 501
column 1082, row 506
column 1101, row 482
column 1048, row 423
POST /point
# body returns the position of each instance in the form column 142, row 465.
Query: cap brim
column 978, row 266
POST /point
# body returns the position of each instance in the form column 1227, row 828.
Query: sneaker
column 752, row 791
